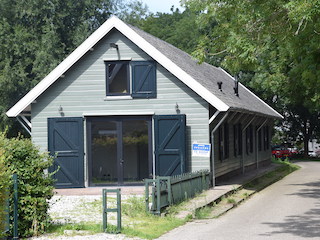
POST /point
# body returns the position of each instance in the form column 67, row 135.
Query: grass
column 143, row 224
column 203, row 212
column 286, row 167
column 59, row 229
column 136, row 222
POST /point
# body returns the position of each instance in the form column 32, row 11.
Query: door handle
column 121, row 161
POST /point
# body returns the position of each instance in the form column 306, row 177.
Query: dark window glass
column 267, row 138
column 226, row 140
column 259, row 140
column 220, row 143
column 247, row 140
column 251, row 138
column 118, row 78
column 240, row 139
column 266, row 141
column 235, row 140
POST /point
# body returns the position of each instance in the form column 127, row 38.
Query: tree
column 177, row 28
column 35, row 35
column 134, row 13
column 277, row 44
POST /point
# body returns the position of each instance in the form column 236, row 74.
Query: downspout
column 257, row 150
column 244, row 142
column 212, row 140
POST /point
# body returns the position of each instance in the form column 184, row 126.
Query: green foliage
column 203, row 212
column 35, row 36
column 4, row 185
column 177, row 28
column 134, row 207
column 34, row 186
column 274, row 47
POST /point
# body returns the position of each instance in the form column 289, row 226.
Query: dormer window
column 133, row 78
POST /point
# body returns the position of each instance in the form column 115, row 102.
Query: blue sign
column 201, row 149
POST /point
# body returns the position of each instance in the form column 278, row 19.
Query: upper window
column 133, row 78
column 118, row 78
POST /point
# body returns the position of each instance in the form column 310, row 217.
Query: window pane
column 135, row 150
column 226, row 140
column 118, row 78
column 104, row 152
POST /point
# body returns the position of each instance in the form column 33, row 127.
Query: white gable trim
column 111, row 23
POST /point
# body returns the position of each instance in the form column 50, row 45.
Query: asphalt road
column 288, row 209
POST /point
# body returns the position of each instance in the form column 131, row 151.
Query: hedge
column 35, row 187
column 4, row 185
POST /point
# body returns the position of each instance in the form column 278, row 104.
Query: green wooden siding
column 233, row 163
column 82, row 90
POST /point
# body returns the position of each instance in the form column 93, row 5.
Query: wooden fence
column 166, row 191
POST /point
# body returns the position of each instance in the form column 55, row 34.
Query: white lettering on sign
column 201, row 149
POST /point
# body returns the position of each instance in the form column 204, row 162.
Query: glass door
column 104, row 152
column 135, row 144
column 120, row 150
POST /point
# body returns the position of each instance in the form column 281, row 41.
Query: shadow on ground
column 306, row 225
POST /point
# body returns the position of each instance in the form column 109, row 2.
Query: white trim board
column 117, row 113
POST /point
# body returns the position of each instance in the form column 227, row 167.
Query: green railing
column 11, row 219
column 166, row 191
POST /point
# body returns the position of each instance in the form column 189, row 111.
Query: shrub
column 35, row 187
column 4, row 184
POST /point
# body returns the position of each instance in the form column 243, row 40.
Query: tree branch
column 214, row 54
column 300, row 24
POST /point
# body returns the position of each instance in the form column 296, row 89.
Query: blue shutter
column 170, row 144
column 65, row 143
column 143, row 79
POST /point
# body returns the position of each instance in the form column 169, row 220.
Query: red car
column 281, row 152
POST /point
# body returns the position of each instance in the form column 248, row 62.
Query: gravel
column 100, row 236
column 81, row 209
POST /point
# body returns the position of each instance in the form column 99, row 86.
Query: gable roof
column 201, row 78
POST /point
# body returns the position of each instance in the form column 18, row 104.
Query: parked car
column 294, row 151
column 281, row 152
column 312, row 154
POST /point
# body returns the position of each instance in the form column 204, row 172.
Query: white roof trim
column 278, row 114
column 111, row 23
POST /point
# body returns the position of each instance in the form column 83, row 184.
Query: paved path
column 288, row 209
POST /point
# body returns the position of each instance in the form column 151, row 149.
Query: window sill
column 113, row 98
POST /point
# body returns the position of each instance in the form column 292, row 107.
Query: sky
column 161, row 5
